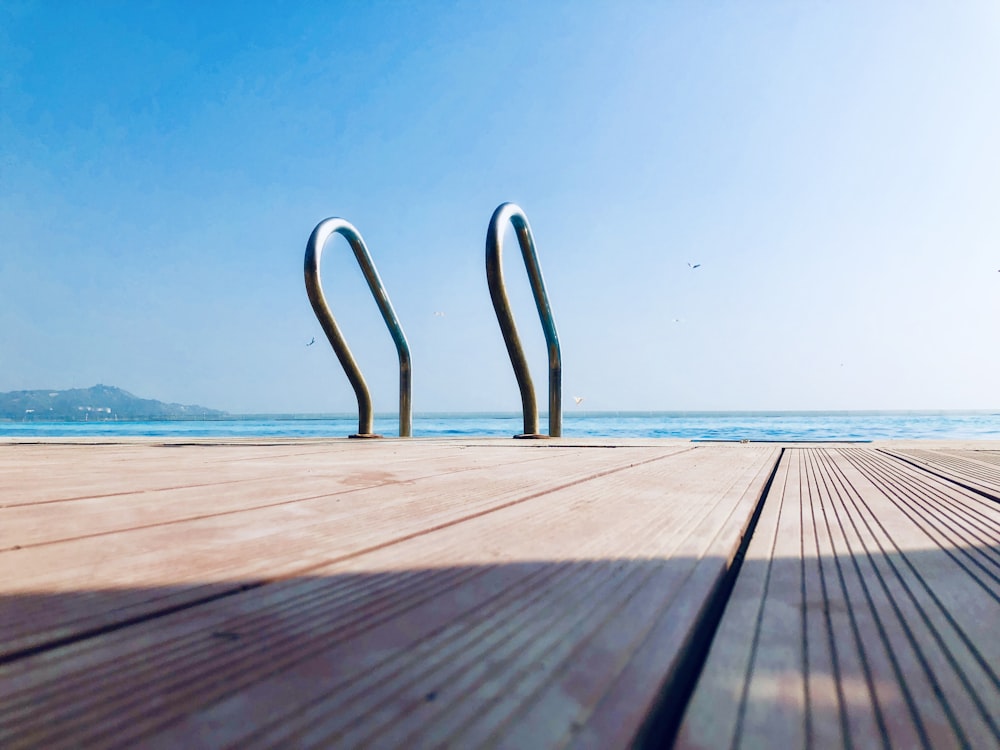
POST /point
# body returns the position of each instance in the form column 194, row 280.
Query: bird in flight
column 578, row 399
column 696, row 265
column 311, row 341
column 438, row 314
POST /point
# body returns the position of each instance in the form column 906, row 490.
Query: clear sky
column 833, row 166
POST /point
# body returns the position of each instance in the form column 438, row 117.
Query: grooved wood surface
column 976, row 469
column 324, row 594
column 865, row 613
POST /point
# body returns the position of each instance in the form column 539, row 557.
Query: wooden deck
column 467, row 593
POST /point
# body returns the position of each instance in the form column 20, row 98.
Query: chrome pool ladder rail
column 314, row 250
column 501, row 304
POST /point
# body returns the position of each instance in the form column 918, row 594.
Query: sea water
column 756, row 426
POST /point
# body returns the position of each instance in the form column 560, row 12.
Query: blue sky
column 833, row 167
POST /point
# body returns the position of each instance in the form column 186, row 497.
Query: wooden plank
column 246, row 485
column 895, row 593
column 154, row 568
column 975, row 469
column 66, row 472
column 956, row 518
column 715, row 715
column 537, row 621
column 47, row 472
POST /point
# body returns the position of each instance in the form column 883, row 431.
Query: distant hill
column 101, row 403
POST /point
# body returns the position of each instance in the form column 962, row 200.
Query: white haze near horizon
column 833, row 168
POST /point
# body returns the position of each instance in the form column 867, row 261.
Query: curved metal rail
column 314, row 250
column 494, row 275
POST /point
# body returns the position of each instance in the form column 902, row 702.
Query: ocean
column 756, row 426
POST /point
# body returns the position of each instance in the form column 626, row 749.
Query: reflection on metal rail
column 314, row 249
column 494, row 275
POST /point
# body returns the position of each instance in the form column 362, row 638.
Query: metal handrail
column 494, row 275
column 314, row 250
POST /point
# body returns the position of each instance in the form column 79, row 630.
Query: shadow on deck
column 854, row 648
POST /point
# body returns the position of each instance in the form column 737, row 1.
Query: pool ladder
column 506, row 212
column 314, row 251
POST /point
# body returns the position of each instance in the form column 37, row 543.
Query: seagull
column 438, row 314
column 311, row 341
column 696, row 265
column 578, row 400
